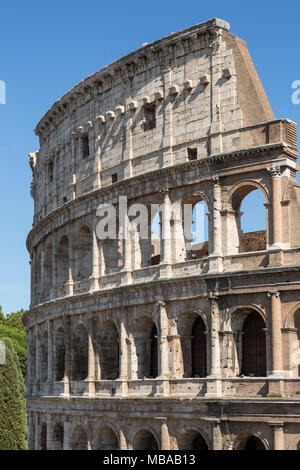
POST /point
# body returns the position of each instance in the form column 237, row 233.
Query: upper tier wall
column 186, row 96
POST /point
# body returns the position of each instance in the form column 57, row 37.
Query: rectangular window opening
column 85, row 146
column 50, row 172
column 192, row 154
column 149, row 116
column 114, row 177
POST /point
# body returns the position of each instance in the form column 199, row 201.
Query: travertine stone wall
column 159, row 343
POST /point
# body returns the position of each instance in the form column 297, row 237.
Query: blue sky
column 47, row 47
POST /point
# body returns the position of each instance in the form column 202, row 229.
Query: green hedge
column 13, row 424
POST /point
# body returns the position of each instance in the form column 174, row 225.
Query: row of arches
column 143, row 352
column 73, row 260
column 144, row 439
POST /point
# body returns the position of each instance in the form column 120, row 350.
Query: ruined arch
column 197, row 244
column 80, row 356
column 248, row 325
column 191, row 348
column 107, row 439
column 43, row 436
column 109, row 351
column 192, row 439
column 145, row 440
column 235, row 240
column 62, row 261
column 44, row 356
column 58, row 436
column 83, row 254
column 79, row 440
column 250, row 442
column 146, row 347
column 59, row 354
column 48, row 271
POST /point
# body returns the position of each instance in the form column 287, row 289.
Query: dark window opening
column 50, row 172
column 114, row 177
column 149, row 116
column 254, row 346
column 192, row 154
column 85, row 146
column 154, row 353
column 199, row 358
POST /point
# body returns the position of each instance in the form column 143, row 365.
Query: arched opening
column 146, row 348
column 113, row 247
column 296, row 351
column 253, row 346
column 144, row 440
column 83, row 254
column 44, row 357
column 192, row 440
column 199, row 353
column 154, row 353
column 44, row 436
column 79, row 439
column 196, row 230
column 62, row 261
column 247, row 221
column 58, row 436
column 298, row 446
column 109, row 351
column 38, row 274
column 156, row 239
column 59, row 354
column 80, row 358
column 48, row 271
column 251, row 443
column 107, row 439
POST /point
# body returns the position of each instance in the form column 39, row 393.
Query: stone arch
column 192, row 439
column 62, row 261
column 113, row 248
column 186, row 345
column 83, row 254
column 250, row 442
column 48, row 271
column 43, row 436
column 79, row 440
column 109, row 351
column 58, row 436
column 292, row 324
column 194, row 249
column 59, row 354
column 236, row 241
column 145, row 440
column 44, row 356
column 80, row 356
column 146, row 347
column 107, row 439
column 254, row 346
column 249, row 340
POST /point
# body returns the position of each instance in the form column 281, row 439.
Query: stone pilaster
column 278, row 435
column 276, row 335
column 166, row 242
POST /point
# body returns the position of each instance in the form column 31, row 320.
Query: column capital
column 216, row 181
column 275, row 293
column 274, row 171
column 164, row 191
column 275, row 424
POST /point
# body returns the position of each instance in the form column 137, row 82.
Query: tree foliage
column 12, row 327
column 13, row 425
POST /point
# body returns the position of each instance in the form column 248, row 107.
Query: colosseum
column 157, row 342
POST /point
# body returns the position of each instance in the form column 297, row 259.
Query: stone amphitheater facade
column 136, row 344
